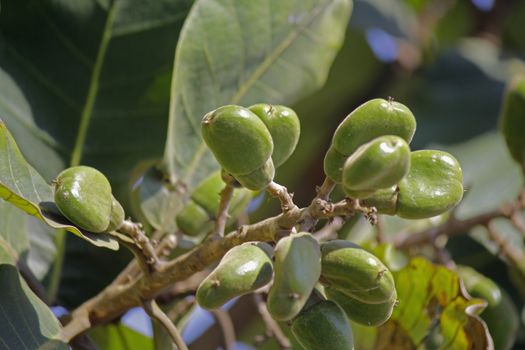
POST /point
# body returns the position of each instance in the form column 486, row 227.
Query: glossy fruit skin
column 333, row 164
column 374, row 118
column 432, row 186
column 297, row 264
column 371, row 315
column 117, row 215
column 197, row 215
column 243, row 269
column 378, row 164
column 352, row 270
column 284, row 126
column 239, row 140
column 259, row 178
column 323, row 326
column 512, row 119
column 500, row 314
column 384, row 200
column 83, row 196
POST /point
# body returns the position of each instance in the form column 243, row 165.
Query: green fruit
column 239, row 140
column 352, row 270
column 83, row 196
column 333, row 164
column 372, row 315
column 432, row 186
column 198, row 214
column 512, row 119
column 323, row 326
column 378, row 164
column 242, row 270
column 384, row 200
column 372, row 119
column 500, row 314
column 297, row 270
column 259, row 178
column 117, row 215
column 284, row 126
column 193, row 220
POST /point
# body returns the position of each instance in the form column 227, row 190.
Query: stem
column 279, row 191
column 148, row 253
column 222, row 212
column 155, row 312
column 272, row 327
column 450, row 228
column 228, row 330
column 56, row 272
column 324, row 191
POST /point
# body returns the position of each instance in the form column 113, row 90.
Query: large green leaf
column 433, row 312
column 243, row 52
column 31, row 239
column 88, row 81
column 23, row 187
column 27, row 323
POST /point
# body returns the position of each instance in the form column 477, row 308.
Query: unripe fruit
column 432, row 186
column 239, row 140
column 243, row 269
column 352, row 270
column 378, row 164
column 117, row 215
column 83, row 196
column 377, row 117
column 259, row 178
column 333, row 164
column 197, row 215
column 372, row 315
column 372, row 119
column 297, row 270
column 323, row 326
column 284, row 126
column 385, row 201
column 512, row 120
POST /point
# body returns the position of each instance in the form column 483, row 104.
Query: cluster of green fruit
column 318, row 287
column 370, row 157
column 249, row 143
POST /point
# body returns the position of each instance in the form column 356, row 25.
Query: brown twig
column 506, row 250
column 449, row 228
column 116, row 298
column 134, row 230
column 279, row 191
column 324, row 191
column 228, row 330
column 155, row 312
column 272, row 327
column 222, row 213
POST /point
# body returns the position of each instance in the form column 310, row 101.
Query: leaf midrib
column 256, row 75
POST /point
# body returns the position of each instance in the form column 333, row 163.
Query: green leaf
column 23, row 187
column 27, row 323
column 87, row 82
column 229, row 52
column 120, row 337
column 432, row 312
column 31, row 239
column 490, row 175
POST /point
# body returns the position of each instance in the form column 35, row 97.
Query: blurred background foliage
column 448, row 60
